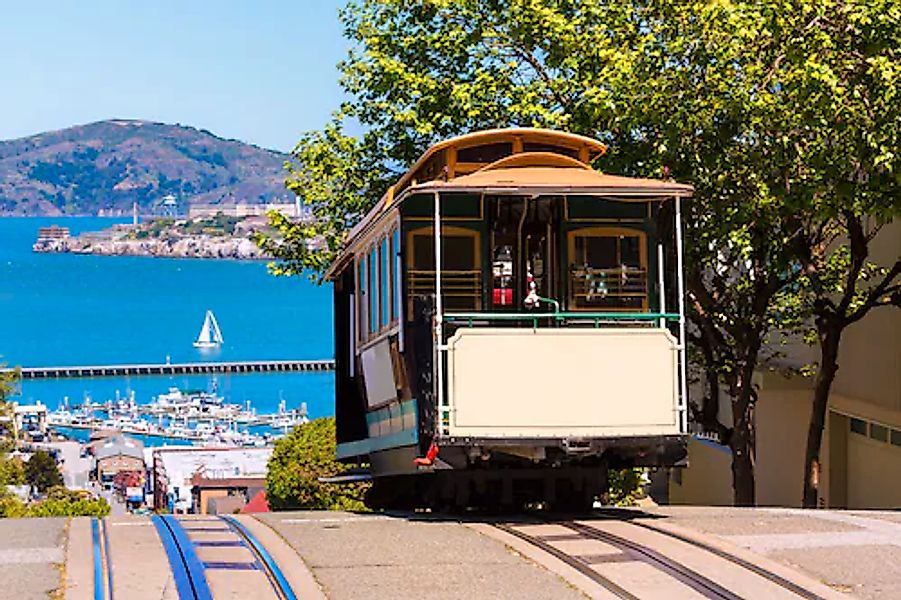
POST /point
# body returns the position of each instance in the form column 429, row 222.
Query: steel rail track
column 279, row 583
column 579, row 565
column 699, row 583
column 187, row 570
column 640, row 552
column 103, row 586
column 758, row 570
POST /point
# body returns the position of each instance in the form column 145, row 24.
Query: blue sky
column 261, row 71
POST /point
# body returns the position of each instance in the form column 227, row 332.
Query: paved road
column 857, row 552
column 31, row 551
column 379, row 557
column 343, row 555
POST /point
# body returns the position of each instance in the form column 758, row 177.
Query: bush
column 297, row 463
column 41, row 471
column 12, row 471
column 626, row 486
column 60, row 502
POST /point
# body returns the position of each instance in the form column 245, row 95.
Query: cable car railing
column 566, row 317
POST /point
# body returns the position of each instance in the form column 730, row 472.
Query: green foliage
column 297, row 462
column 12, row 471
column 41, row 471
column 8, row 381
column 625, row 487
column 59, row 502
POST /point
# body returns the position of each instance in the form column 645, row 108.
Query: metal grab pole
column 439, row 316
column 660, row 283
column 680, row 280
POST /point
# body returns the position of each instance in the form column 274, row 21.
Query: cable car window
column 486, row 153
column 538, row 147
column 385, row 299
column 608, row 269
column 362, row 298
column 461, row 275
column 373, row 292
column 395, row 276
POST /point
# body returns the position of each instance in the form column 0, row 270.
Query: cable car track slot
column 576, row 563
column 699, row 583
column 766, row 574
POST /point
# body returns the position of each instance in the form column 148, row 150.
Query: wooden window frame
column 607, row 231
column 428, row 230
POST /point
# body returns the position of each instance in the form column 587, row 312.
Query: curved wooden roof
column 567, row 170
column 544, row 172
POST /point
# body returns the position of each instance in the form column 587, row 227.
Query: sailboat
column 210, row 334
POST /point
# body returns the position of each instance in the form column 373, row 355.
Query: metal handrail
column 560, row 316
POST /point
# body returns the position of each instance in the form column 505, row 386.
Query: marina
column 194, row 416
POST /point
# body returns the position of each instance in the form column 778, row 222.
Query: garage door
column 874, row 465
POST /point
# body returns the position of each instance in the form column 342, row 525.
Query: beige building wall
column 861, row 450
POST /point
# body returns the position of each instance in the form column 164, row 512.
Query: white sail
column 217, row 333
column 210, row 334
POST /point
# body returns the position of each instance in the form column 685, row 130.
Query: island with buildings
column 222, row 232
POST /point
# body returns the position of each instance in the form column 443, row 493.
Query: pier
column 193, row 368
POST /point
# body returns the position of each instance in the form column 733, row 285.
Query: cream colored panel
column 563, row 382
column 874, row 473
column 378, row 374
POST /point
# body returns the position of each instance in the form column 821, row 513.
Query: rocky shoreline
column 198, row 246
column 219, row 236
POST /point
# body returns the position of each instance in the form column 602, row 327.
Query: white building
column 174, row 467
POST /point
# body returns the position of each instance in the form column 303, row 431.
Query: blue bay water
column 65, row 309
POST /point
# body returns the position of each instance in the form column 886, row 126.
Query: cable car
column 509, row 325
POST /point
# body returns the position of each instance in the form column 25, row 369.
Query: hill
column 108, row 165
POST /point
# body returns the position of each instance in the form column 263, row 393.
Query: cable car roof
column 549, row 173
column 520, row 173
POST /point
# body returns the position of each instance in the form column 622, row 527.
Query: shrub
column 41, row 471
column 297, row 463
column 60, row 502
column 625, row 487
column 12, row 471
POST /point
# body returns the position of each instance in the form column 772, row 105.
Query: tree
column 297, row 463
column 12, row 471
column 8, row 379
column 723, row 95
column 41, row 471
column 857, row 57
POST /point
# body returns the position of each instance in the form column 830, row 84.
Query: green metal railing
column 597, row 317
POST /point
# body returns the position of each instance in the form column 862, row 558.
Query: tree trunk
column 742, row 444
column 830, row 337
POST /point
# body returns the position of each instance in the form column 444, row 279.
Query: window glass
column 373, row 292
column 878, row 432
column 461, row 279
column 395, row 280
column 858, row 426
column 538, row 147
column 423, row 252
column 629, row 253
column 486, row 153
column 896, row 437
column 385, row 299
column 362, row 297
column 607, row 270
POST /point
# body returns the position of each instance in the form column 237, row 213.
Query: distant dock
column 195, row 368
